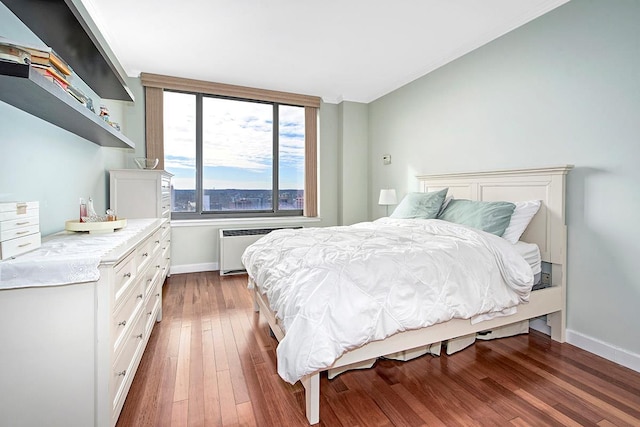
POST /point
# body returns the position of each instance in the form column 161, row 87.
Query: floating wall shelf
column 66, row 27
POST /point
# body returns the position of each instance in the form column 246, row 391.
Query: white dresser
column 138, row 193
column 72, row 341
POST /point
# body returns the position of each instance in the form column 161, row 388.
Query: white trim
column 603, row 349
column 592, row 345
column 243, row 222
column 194, row 268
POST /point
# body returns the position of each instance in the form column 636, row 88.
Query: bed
column 547, row 230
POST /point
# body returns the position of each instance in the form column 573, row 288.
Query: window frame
column 199, row 165
column 155, row 85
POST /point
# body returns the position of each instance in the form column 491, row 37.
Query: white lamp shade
column 387, row 197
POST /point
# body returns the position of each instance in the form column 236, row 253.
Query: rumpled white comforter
column 337, row 288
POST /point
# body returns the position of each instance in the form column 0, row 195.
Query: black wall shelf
column 67, row 28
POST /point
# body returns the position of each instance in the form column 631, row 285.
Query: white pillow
column 444, row 204
column 522, row 216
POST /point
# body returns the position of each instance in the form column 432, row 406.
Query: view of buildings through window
column 242, row 162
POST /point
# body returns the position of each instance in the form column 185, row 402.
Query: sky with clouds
column 237, row 149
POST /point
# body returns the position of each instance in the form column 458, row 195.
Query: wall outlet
column 545, row 279
column 386, row 159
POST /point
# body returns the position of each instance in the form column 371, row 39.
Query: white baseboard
column 194, row 268
column 592, row 345
column 606, row 350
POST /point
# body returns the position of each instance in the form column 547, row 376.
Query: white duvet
column 336, row 288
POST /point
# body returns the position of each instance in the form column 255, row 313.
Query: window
column 248, row 160
column 233, row 151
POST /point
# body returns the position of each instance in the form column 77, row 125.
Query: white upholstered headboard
column 548, row 227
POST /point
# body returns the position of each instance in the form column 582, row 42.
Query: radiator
column 233, row 242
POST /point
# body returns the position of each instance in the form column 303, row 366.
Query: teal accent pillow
column 492, row 217
column 420, row 205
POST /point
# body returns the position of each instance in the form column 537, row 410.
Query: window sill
column 245, row 222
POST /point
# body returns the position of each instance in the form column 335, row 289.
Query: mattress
column 531, row 253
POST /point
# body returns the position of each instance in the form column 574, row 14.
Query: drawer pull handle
column 157, row 241
column 158, row 295
column 139, row 336
column 24, row 244
column 23, row 223
column 145, row 254
column 158, row 266
column 140, row 296
column 121, row 373
column 22, row 232
column 149, row 313
column 124, row 322
column 127, row 275
column 149, row 280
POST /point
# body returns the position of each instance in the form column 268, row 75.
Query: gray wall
column 353, row 154
column 563, row 89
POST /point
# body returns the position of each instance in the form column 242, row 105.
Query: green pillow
column 492, row 217
column 420, row 205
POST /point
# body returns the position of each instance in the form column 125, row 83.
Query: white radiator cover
column 233, row 242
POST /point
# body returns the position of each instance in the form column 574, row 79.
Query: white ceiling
column 353, row 50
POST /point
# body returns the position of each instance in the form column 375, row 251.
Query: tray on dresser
column 95, row 227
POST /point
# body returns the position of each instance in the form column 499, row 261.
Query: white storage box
column 19, row 228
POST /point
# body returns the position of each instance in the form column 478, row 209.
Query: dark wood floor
column 211, row 362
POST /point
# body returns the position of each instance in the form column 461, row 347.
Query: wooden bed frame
column 547, row 230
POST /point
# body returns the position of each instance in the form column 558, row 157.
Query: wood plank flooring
column 211, row 362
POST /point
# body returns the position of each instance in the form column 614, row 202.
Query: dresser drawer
column 124, row 365
column 143, row 255
column 21, row 222
column 28, row 213
column 165, row 185
column 165, row 206
column 165, row 231
column 18, row 210
column 18, row 232
column 125, row 275
column 156, row 242
column 121, row 322
column 151, row 308
column 152, row 274
column 20, row 245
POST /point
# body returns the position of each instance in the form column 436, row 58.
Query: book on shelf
column 44, row 58
column 14, row 54
column 40, row 54
column 51, row 69
column 49, row 75
column 77, row 94
column 16, row 59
